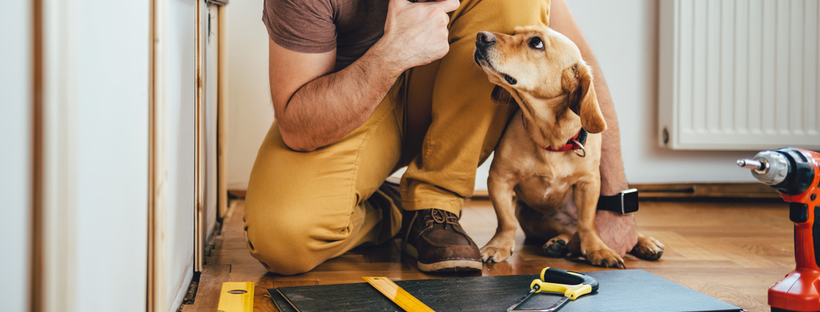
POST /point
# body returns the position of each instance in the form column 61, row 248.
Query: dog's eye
column 536, row 43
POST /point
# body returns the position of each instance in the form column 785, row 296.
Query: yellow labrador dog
column 550, row 153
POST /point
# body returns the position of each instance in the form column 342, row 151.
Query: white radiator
column 739, row 74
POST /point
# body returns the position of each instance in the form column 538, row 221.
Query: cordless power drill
column 795, row 173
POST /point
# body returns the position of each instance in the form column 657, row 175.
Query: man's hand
column 617, row 231
column 416, row 33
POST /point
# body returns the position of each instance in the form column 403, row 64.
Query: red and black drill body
column 795, row 173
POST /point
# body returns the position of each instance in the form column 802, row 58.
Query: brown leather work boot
column 438, row 242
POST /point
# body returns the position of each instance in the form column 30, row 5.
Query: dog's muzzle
column 483, row 40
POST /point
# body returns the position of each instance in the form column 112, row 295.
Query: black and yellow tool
column 571, row 284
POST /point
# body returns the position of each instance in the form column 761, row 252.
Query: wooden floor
column 729, row 250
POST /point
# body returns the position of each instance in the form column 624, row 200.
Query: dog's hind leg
column 648, row 248
column 556, row 227
column 557, row 246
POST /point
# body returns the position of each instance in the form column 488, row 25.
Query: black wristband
column 623, row 202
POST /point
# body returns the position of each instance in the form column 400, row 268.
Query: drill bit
column 752, row 164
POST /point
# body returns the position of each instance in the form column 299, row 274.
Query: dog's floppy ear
column 577, row 81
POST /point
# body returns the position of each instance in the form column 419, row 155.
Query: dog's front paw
column 556, row 248
column 494, row 254
column 605, row 257
column 496, row 251
column 648, row 248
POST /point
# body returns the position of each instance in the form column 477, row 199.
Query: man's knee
column 283, row 247
column 294, row 234
column 497, row 15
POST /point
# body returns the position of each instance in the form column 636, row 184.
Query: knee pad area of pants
column 502, row 15
column 289, row 247
column 282, row 255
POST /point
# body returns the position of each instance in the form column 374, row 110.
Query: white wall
column 112, row 144
column 180, row 99
column 96, row 143
column 211, row 99
column 623, row 35
column 95, row 188
column 15, row 164
column 249, row 110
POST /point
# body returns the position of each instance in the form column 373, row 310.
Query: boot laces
column 442, row 217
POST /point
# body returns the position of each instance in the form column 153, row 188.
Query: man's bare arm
column 619, row 232
column 315, row 106
column 612, row 168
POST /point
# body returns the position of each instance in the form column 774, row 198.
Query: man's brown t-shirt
column 317, row 26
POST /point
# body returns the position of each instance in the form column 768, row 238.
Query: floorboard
column 729, row 250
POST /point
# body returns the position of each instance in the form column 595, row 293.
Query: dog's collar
column 575, row 143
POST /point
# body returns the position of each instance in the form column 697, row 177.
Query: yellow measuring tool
column 236, row 297
column 398, row 295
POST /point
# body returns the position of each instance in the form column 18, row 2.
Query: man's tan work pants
column 439, row 120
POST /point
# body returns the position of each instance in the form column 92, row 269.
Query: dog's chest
column 542, row 178
column 545, row 188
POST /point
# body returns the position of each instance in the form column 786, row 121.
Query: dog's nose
column 484, row 38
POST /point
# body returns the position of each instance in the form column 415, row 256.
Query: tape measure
column 398, row 295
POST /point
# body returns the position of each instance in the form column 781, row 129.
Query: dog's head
column 542, row 65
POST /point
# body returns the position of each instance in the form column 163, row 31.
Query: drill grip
column 800, row 189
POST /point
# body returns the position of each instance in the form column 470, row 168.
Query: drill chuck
column 769, row 167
